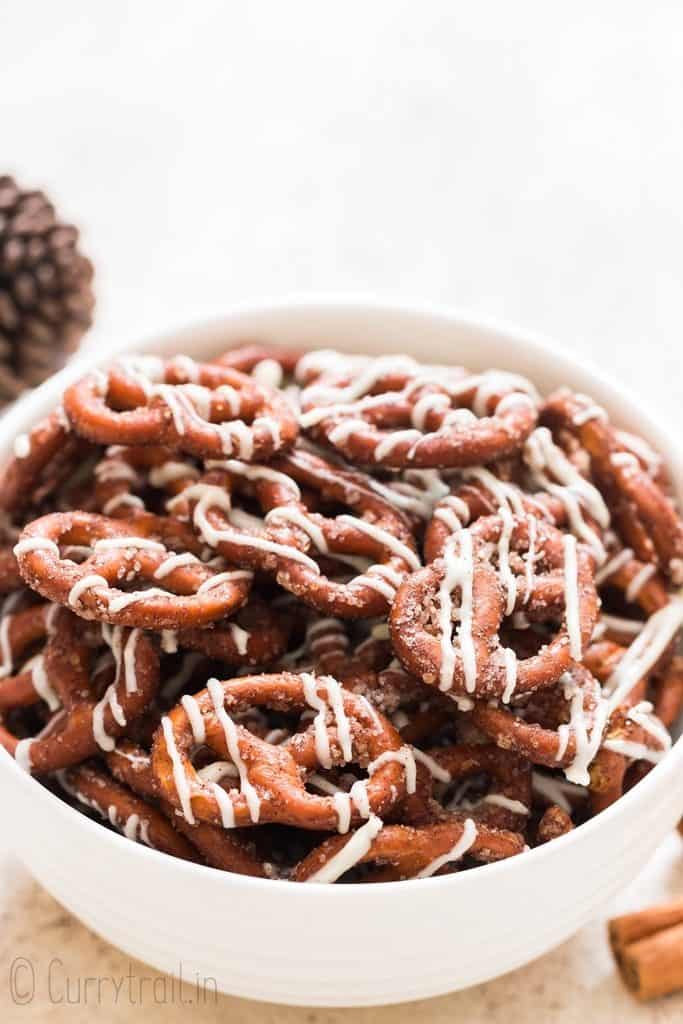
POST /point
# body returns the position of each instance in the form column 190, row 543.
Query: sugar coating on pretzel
column 201, row 408
column 326, row 618
column 390, row 411
column 182, row 591
column 550, row 576
column 84, row 720
column 291, row 540
column 345, row 729
column 645, row 507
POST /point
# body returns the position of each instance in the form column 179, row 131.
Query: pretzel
column 291, row 537
column 406, row 708
column 267, row 364
column 401, row 852
column 200, row 408
column 87, row 721
column 191, row 594
column 644, row 504
column 123, row 474
column 127, row 812
column 564, row 499
column 479, row 664
column 562, row 744
column 132, row 766
column 42, row 459
column 257, row 635
column 390, row 411
column 555, row 822
column 20, row 631
column 346, row 728
column 506, row 805
column 668, row 697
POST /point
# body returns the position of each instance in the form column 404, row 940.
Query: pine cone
column 46, row 299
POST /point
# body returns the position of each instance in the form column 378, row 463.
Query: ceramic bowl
column 359, row 945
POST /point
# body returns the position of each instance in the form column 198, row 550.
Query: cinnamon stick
column 680, row 826
column 648, row 949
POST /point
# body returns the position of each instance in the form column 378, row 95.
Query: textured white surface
column 515, row 158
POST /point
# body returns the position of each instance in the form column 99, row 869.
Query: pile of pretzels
column 321, row 617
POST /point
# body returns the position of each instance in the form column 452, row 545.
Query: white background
column 524, row 160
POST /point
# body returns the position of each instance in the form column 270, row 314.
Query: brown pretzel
column 42, row 459
column 267, row 364
column 479, row 492
column 124, row 474
column 479, row 664
column 132, row 766
column 257, row 635
column 127, row 812
column 292, row 537
column 189, row 595
column 507, row 804
column 88, row 720
column 390, row 411
column 643, row 501
column 546, row 744
column 204, row 409
column 668, row 697
column 271, row 776
column 20, row 631
column 555, row 822
column 401, row 852
column 633, row 734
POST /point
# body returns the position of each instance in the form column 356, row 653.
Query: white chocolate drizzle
column 232, row 743
column 457, row 851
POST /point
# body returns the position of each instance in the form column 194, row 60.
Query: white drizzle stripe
column 505, row 572
column 635, row 751
column 613, row 565
column 23, row 547
column 300, row 519
column 587, row 731
column 224, row 577
column 225, row 805
column 108, row 543
column 458, row 572
column 174, row 562
column 41, row 683
column 510, row 674
column 645, row 651
column 404, row 756
column 353, row 851
column 383, row 537
column 208, row 495
column 129, row 500
column 182, row 785
column 639, row 581
column 506, row 802
column 194, row 717
column 117, row 604
column 86, row 583
column 435, row 769
column 555, row 790
column 232, row 742
column 255, row 472
column 468, row 837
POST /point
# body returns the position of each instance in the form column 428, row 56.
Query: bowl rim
column 28, row 409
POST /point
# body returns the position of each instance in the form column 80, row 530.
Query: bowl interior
column 433, row 336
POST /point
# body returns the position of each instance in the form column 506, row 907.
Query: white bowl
column 361, row 945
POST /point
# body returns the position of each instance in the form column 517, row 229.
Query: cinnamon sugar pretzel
column 454, row 599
